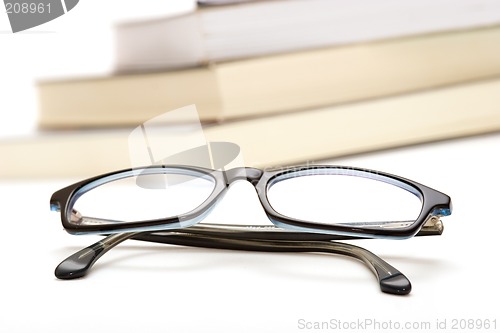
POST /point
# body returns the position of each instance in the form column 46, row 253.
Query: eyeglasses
column 310, row 207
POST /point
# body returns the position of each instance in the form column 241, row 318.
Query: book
column 258, row 28
column 274, row 84
column 284, row 139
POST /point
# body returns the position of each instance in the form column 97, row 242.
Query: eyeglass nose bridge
column 252, row 175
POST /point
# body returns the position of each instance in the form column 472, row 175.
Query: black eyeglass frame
column 434, row 203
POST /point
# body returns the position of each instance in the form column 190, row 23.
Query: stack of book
column 289, row 81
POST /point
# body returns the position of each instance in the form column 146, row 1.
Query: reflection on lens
column 142, row 197
column 347, row 200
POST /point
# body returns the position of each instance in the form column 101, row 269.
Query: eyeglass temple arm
column 390, row 279
column 78, row 264
column 237, row 238
column 432, row 227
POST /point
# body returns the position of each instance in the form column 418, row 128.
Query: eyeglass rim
column 434, row 203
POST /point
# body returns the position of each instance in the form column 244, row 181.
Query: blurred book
column 284, row 139
column 275, row 84
column 258, row 28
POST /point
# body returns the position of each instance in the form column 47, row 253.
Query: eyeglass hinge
column 433, row 226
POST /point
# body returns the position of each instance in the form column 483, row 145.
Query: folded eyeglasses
column 311, row 208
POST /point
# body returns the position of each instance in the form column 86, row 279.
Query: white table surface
column 162, row 288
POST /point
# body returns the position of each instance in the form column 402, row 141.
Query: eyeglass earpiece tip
column 76, row 266
column 396, row 284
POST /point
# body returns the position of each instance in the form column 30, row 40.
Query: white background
column 153, row 288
